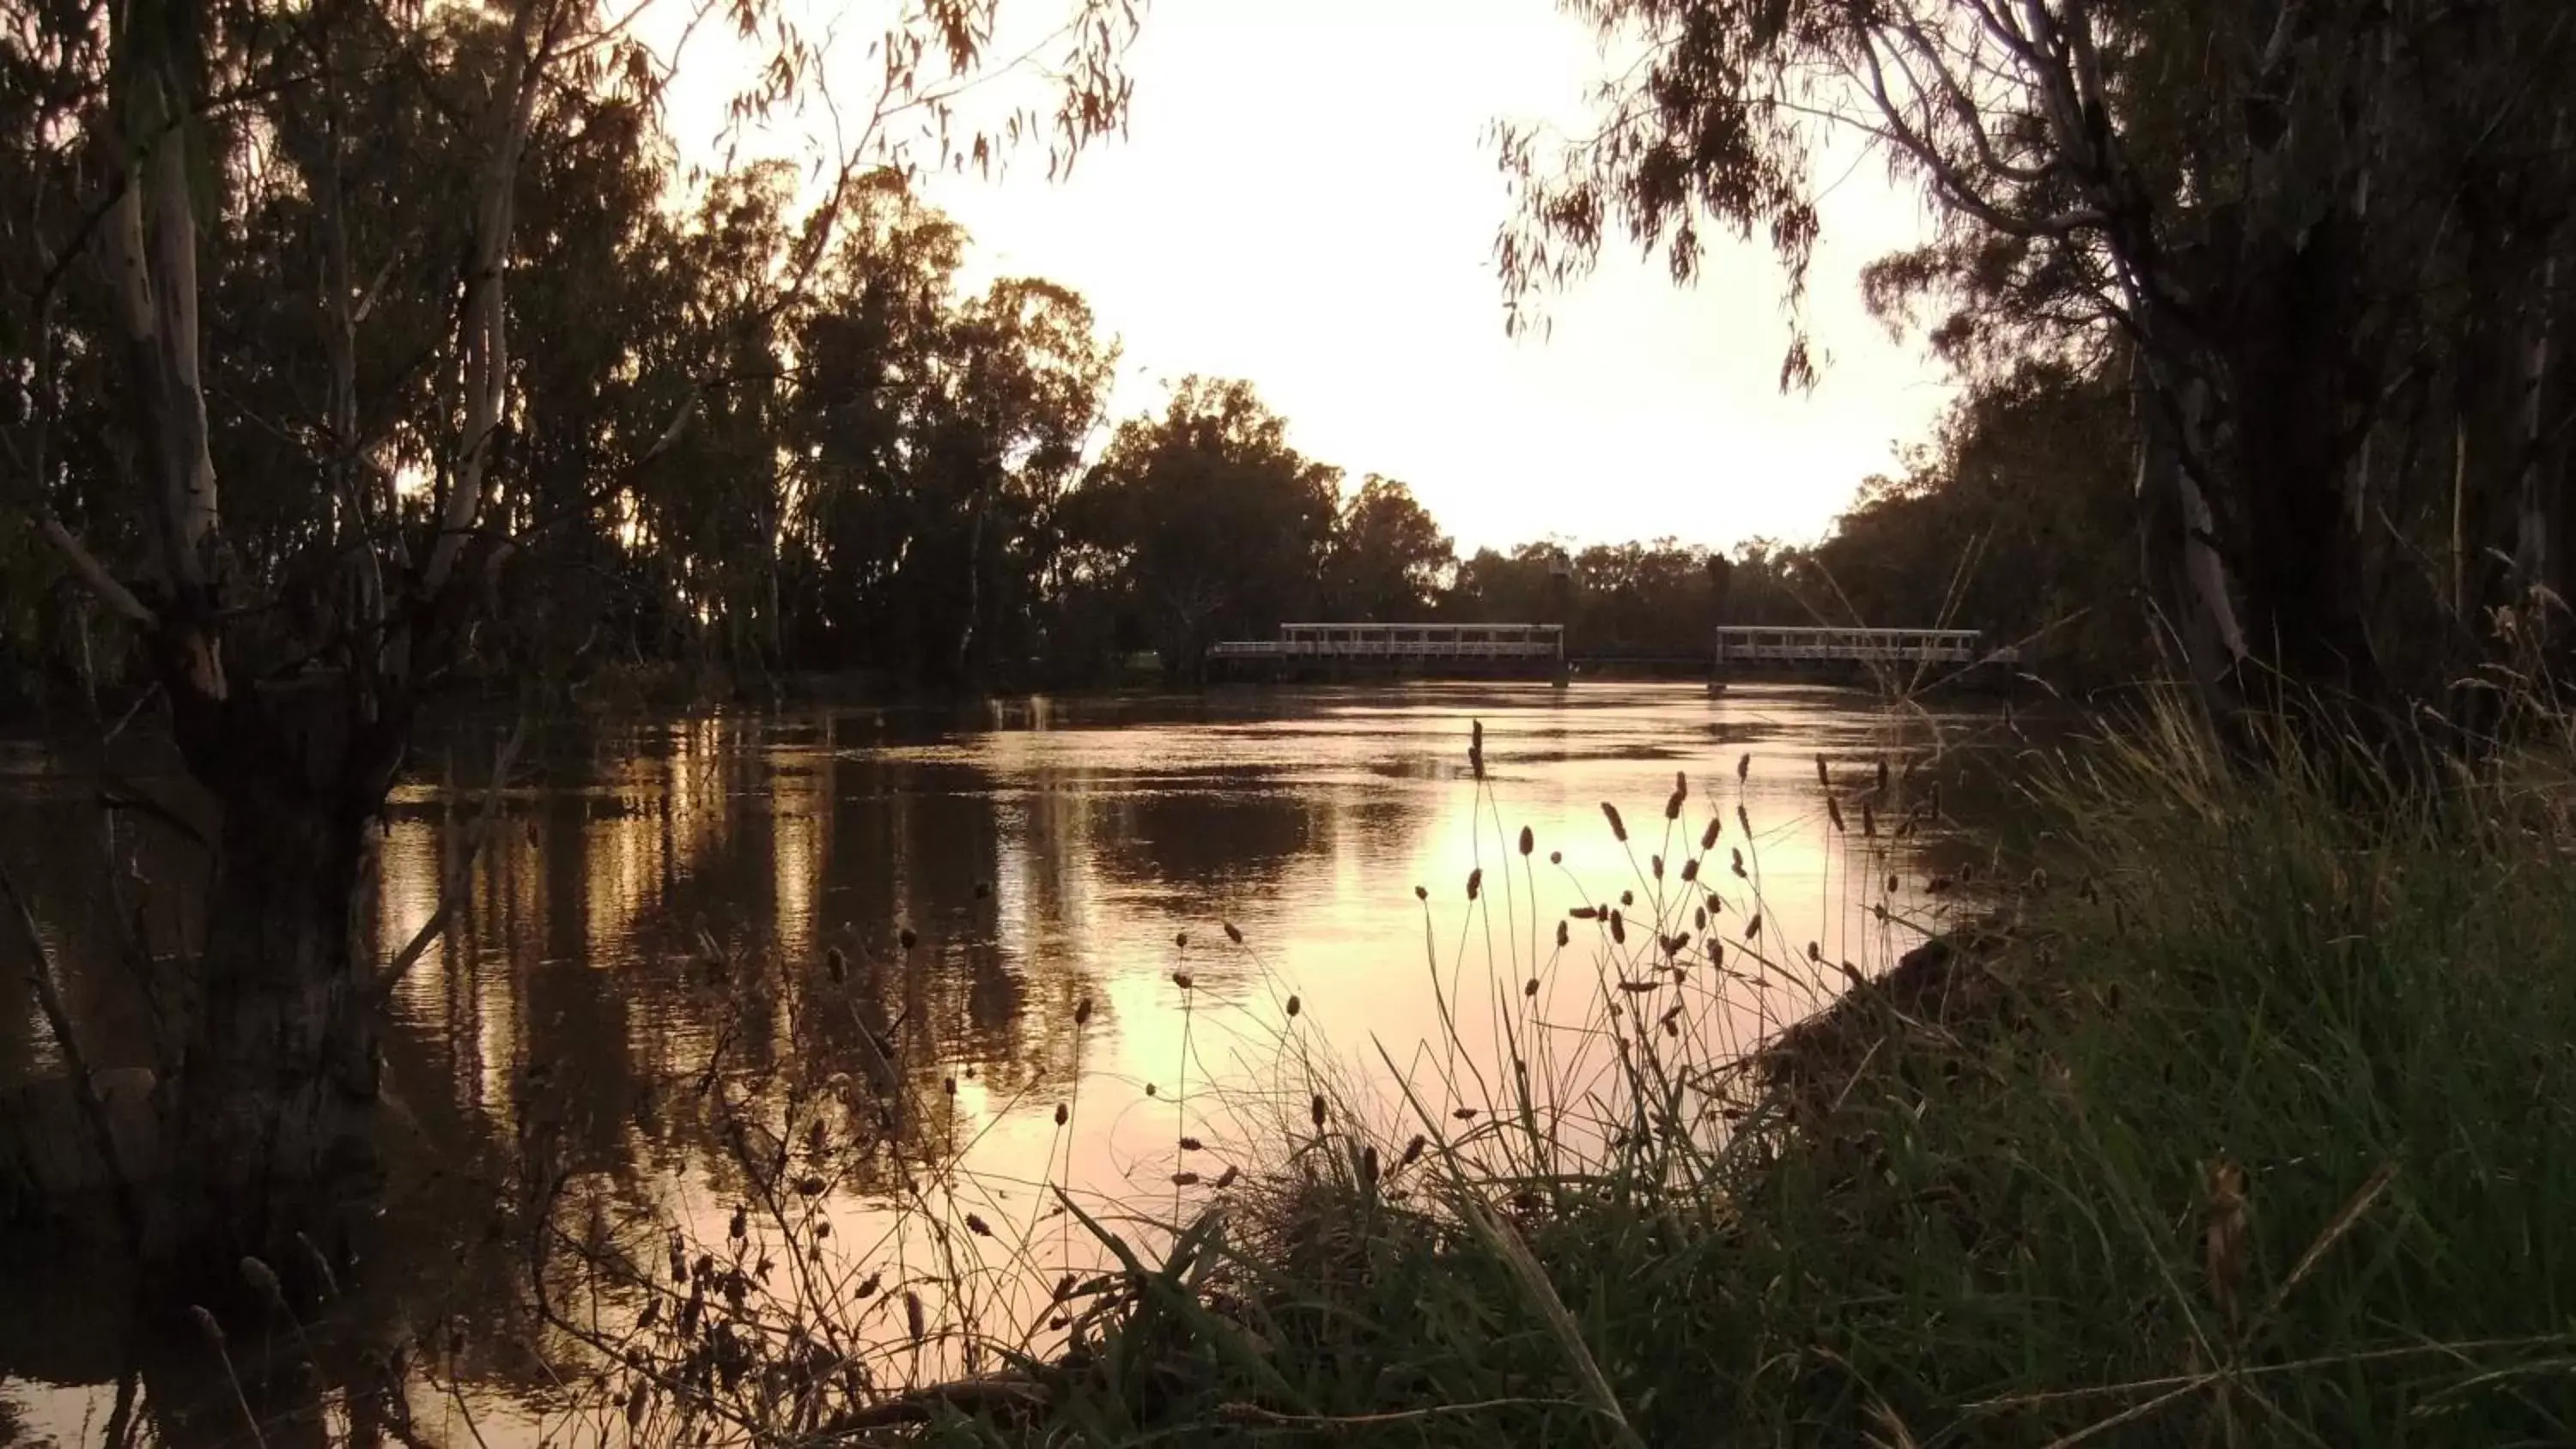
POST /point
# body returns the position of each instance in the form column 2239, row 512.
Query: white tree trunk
column 484, row 317
column 2186, row 578
column 149, row 247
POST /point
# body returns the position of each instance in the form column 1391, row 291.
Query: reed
column 2241, row 1113
column 2246, row 1120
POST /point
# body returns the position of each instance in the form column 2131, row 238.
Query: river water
column 653, row 921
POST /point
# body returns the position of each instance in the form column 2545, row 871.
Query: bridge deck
column 1733, row 645
column 1758, row 644
column 1400, row 642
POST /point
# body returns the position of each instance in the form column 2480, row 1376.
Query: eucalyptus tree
column 1212, row 522
column 2013, row 519
column 1005, row 419
column 301, row 525
column 865, row 343
column 711, row 519
column 2322, row 239
column 1389, row 560
column 1515, row 587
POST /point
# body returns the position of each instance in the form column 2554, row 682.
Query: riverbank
column 2251, row 1123
column 2247, row 1113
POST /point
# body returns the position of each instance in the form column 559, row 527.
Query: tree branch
column 91, row 572
column 1947, row 177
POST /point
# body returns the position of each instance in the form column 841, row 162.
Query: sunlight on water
column 1043, row 854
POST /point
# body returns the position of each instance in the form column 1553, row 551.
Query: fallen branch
column 970, row 1397
column 94, row 574
column 1242, row 1413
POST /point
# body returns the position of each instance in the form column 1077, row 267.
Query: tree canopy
column 2317, row 245
column 2256, row 307
column 345, row 347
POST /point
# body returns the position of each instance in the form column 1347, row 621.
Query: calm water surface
column 1038, row 854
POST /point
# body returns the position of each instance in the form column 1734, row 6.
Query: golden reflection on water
column 1044, row 853
column 1050, row 852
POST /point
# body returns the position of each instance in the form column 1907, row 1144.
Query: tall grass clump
column 2249, row 1119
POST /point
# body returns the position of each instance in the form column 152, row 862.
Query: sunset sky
column 1307, row 199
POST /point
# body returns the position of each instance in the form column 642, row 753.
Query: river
column 656, row 912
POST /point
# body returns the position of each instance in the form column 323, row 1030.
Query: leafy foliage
column 2323, row 244
column 1218, row 526
column 1389, row 559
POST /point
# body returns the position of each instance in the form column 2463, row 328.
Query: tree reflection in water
column 660, row 898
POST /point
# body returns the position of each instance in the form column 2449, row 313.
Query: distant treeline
column 2014, row 519
column 882, row 473
column 966, row 570
column 957, row 538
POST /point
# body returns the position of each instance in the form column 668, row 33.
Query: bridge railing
column 1380, row 649
column 1806, row 645
column 1400, row 641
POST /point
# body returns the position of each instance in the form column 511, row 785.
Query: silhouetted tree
column 1215, row 526
column 2321, row 243
column 265, row 266
column 1388, row 560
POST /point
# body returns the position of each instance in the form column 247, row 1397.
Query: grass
column 2246, row 1118
column 2256, row 1124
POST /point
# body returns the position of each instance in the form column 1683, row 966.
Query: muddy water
column 1017, row 894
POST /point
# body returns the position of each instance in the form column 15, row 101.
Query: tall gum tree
column 292, row 679
column 2321, row 239
column 1218, row 526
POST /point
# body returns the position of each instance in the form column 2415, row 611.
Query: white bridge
column 1400, row 642
column 1543, row 645
column 1754, row 644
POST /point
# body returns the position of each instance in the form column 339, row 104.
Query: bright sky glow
column 1307, row 199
